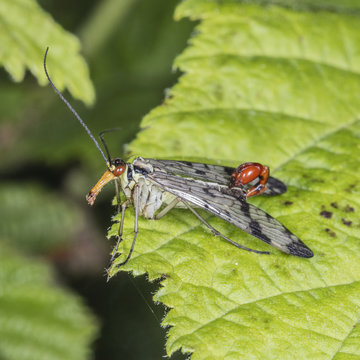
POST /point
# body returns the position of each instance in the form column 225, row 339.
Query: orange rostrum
column 107, row 177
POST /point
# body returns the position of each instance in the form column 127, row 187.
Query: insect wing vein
column 229, row 206
column 212, row 173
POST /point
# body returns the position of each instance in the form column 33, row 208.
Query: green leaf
column 30, row 214
column 25, row 32
column 281, row 87
column 37, row 319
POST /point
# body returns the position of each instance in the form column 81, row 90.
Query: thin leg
column 118, row 199
column 119, row 240
column 217, row 233
column 167, row 208
column 136, row 227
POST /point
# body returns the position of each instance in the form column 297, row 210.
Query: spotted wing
column 226, row 204
column 212, row 173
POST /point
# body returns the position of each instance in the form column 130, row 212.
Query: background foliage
column 276, row 84
column 48, row 164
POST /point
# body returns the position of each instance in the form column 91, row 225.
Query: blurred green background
column 48, row 163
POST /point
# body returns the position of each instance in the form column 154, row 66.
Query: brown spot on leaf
column 349, row 208
column 350, row 188
column 326, row 214
column 334, row 205
column 287, row 203
column 317, row 180
column 330, row 232
column 346, row 222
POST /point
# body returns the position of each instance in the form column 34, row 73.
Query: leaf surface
column 25, row 32
column 30, row 214
column 37, row 319
column 278, row 86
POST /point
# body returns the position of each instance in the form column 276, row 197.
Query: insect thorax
column 150, row 196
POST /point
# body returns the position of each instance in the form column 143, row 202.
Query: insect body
column 146, row 182
column 248, row 172
column 222, row 191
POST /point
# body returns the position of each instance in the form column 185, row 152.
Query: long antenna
column 72, row 109
column 101, row 136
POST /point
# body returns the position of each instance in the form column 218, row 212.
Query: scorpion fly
column 154, row 187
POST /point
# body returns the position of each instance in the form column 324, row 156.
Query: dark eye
column 118, row 162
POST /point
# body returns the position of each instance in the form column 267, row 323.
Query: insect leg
column 167, row 208
column 118, row 199
column 217, row 233
column 136, row 226
column 119, row 240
